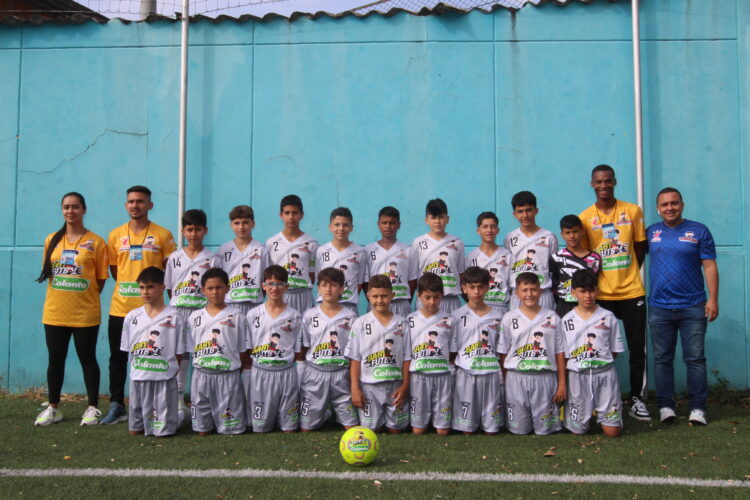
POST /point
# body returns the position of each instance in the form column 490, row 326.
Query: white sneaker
column 91, row 416
column 183, row 412
column 667, row 414
column 639, row 411
column 698, row 417
column 48, row 416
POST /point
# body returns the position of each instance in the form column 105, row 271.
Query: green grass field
column 718, row 451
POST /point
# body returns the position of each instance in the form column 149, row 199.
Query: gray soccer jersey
column 498, row 265
column 381, row 350
column 352, row 261
column 399, row 263
column 297, row 257
column 245, row 270
column 182, row 276
column 531, row 344
column 591, row 342
column 430, row 341
column 444, row 258
column 274, row 341
column 531, row 254
column 217, row 341
column 153, row 343
column 326, row 337
column 476, row 340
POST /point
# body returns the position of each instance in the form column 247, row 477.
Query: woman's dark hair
column 47, row 264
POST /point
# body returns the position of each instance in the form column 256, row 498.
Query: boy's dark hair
column 436, row 208
column 602, row 168
column 139, row 189
column 476, row 274
column 668, row 190
column 194, row 217
column 584, row 278
column 215, row 272
column 291, row 200
column 331, row 274
column 570, row 221
column 151, row 275
column 527, row 279
column 487, row 215
column 242, row 212
column 523, row 199
column 389, row 211
column 430, row 282
column 341, row 212
column 276, row 272
column 380, row 281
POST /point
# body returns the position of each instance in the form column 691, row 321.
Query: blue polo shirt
column 676, row 267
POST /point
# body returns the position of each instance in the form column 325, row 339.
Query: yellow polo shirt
column 72, row 291
column 133, row 252
column 613, row 237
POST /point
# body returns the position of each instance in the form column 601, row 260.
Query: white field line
column 383, row 476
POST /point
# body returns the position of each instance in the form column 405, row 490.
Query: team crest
column 689, row 237
column 542, row 242
column 547, row 323
column 623, row 219
column 228, row 321
column 87, row 245
column 168, row 322
column 602, row 325
column 656, row 237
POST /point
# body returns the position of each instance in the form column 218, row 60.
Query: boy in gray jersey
column 154, row 337
column 379, row 357
column 218, row 336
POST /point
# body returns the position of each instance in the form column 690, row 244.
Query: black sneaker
column 638, row 410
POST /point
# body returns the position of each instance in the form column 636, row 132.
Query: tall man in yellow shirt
column 615, row 230
column 132, row 247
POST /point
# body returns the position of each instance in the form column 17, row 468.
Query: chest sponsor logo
column 128, row 289
column 656, row 236
column 689, row 237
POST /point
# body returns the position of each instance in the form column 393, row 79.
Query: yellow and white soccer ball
column 359, row 446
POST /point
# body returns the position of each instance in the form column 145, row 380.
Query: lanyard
column 145, row 233
column 65, row 239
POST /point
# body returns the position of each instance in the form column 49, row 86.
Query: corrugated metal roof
column 14, row 12
column 65, row 11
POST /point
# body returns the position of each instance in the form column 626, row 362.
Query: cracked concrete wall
column 369, row 112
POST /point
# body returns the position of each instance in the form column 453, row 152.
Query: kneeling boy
column 218, row 340
column 432, row 352
column 325, row 378
column 593, row 339
column 153, row 335
column 273, row 391
column 379, row 361
column 532, row 353
column 478, row 393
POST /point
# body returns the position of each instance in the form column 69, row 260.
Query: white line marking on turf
column 383, row 476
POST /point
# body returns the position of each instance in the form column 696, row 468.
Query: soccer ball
column 359, row 446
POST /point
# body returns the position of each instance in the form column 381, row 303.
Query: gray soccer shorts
column 379, row 408
column 546, row 300
column 528, row 403
column 401, row 306
column 477, row 402
column 503, row 309
column 245, row 307
column 301, row 300
column 183, row 382
column 431, row 399
column 273, row 397
column 321, row 388
column 217, row 402
column 152, row 407
column 591, row 391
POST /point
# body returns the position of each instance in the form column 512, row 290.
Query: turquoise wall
column 369, row 112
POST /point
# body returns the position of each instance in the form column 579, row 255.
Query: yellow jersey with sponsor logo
column 133, row 252
column 613, row 236
column 72, row 291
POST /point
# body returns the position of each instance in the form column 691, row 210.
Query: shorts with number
column 528, row 403
column 152, row 407
column 217, row 402
column 301, row 300
column 379, row 408
column 590, row 391
column 321, row 388
column 546, row 300
column 431, row 399
column 273, row 398
column 448, row 304
column 477, row 402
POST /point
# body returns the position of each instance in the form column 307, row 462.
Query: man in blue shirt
column 682, row 251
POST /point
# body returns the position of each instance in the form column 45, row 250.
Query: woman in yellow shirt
column 75, row 269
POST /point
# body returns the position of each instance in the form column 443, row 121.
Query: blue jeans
column 691, row 323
